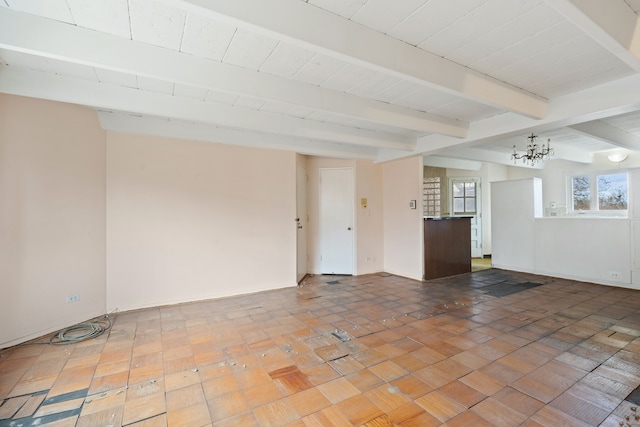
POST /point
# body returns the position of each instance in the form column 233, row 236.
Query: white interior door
column 465, row 197
column 336, row 221
column 301, row 221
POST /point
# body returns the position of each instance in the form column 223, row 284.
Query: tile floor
column 490, row 348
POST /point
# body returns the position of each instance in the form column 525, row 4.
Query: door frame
column 301, row 221
column 478, row 181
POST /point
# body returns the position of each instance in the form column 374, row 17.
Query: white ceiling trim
column 120, row 122
column 53, row 39
column 604, row 132
column 339, row 37
column 23, row 82
column 473, row 154
column 577, row 156
column 451, row 163
column 487, row 156
column 612, row 24
column 598, row 102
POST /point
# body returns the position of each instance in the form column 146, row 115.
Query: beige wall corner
column 52, row 217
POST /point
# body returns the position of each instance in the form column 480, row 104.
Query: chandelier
column 535, row 152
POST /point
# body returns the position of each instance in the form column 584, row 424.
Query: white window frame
column 593, row 194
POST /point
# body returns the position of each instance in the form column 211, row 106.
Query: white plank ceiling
column 367, row 79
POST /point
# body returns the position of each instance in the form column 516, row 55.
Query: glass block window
column 431, row 196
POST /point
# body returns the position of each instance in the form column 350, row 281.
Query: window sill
column 588, row 216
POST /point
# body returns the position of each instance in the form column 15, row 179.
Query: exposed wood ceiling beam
column 359, row 45
column 451, row 163
column 598, row 102
column 572, row 155
column 31, row 83
column 604, row 132
column 122, row 122
column 485, row 156
column 53, row 39
column 612, row 24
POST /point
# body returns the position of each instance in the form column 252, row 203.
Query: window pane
column 581, row 190
column 470, row 189
column 612, row 191
column 458, row 189
column 470, row 205
column 458, row 205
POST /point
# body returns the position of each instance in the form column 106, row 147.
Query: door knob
column 349, row 228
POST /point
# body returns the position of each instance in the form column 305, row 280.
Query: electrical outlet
column 73, row 298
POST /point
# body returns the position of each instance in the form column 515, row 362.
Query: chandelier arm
column 534, row 152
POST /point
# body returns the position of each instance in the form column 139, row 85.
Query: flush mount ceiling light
column 535, row 152
column 617, row 157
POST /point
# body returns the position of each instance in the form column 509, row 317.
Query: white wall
column 580, row 248
column 52, row 217
column 403, row 228
column 591, row 249
column 515, row 205
column 192, row 220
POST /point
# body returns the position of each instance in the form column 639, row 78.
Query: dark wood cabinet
column 447, row 246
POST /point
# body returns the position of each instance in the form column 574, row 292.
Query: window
column 431, row 196
column 612, row 192
column 464, row 198
column 581, row 189
column 599, row 193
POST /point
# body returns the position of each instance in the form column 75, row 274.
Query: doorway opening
column 301, row 221
column 479, row 264
column 466, row 200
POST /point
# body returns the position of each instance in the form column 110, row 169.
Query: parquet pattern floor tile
column 492, row 347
